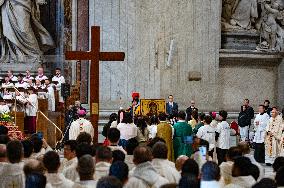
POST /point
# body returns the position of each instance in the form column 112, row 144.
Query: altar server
column 50, row 95
column 260, row 123
column 61, row 80
column 31, row 111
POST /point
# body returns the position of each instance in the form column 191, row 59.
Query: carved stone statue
column 271, row 30
column 23, row 38
column 238, row 14
column 227, row 10
column 245, row 13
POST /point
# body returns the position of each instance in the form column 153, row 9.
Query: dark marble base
column 239, row 40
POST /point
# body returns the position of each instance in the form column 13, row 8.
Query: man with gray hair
column 86, row 170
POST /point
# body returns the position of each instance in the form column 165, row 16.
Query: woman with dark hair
column 112, row 118
column 127, row 129
column 142, row 131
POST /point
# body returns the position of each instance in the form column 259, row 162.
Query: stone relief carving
column 265, row 17
column 22, row 37
column 270, row 26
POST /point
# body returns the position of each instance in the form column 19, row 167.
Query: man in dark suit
column 171, row 106
column 190, row 109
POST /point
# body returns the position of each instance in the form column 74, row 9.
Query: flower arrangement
column 5, row 117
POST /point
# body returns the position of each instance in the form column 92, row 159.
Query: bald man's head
column 180, row 161
column 33, row 166
column 142, row 154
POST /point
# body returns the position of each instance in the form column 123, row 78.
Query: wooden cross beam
column 95, row 56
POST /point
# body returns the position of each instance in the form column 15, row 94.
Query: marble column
column 83, row 44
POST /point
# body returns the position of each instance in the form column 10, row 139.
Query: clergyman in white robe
column 58, row 180
column 78, row 126
column 12, row 175
column 166, row 169
column 272, row 142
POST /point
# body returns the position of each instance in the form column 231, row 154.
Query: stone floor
column 267, row 170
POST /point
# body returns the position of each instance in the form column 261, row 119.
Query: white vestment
column 41, row 77
column 4, row 109
column 13, row 78
column 167, row 170
column 66, row 164
column 78, row 126
column 259, row 135
column 120, row 148
column 241, row 182
column 21, row 85
column 7, row 85
column 102, row 169
column 129, row 162
column 61, row 80
column 51, row 98
column 85, row 184
column 12, row 175
column 273, row 143
column 57, row 180
column 211, row 184
column 32, row 105
column 226, row 172
column 27, row 78
column 145, row 176
column 70, row 172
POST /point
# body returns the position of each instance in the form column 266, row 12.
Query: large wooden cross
column 95, row 56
